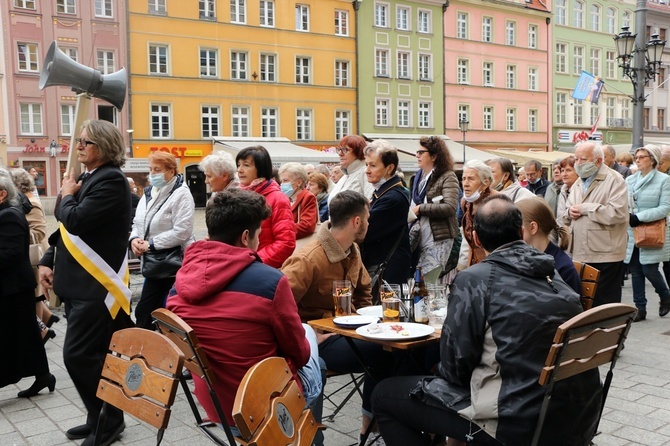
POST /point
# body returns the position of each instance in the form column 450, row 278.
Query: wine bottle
column 420, row 298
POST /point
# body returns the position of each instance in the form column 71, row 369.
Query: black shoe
column 108, row 437
column 52, row 320
column 50, row 335
column 79, row 432
column 640, row 316
column 39, row 384
column 664, row 308
column 186, row 373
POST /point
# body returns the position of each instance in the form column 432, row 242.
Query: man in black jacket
column 91, row 245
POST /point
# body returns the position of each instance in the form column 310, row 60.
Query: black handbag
column 162, row 263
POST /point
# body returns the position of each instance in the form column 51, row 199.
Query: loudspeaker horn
column 59, row 69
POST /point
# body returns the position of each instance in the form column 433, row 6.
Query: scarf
column 419, row 187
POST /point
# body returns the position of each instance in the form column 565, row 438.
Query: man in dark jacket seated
column 501, row 319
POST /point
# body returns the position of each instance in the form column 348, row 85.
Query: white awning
column 521, row 157
column 281, row 150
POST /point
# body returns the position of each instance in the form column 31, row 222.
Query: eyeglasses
column 83, row 142
column 421, row 152
column 639, row 157
column 341, row 150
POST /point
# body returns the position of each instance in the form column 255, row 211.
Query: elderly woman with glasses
column 477, row 179
column 434, row 194
column 350, row 151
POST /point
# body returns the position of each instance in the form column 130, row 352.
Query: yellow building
column 240, row 68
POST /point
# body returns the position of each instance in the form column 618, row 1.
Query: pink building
column 39, row 123
column 497, row 73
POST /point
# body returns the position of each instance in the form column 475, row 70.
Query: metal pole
column 464, row 146
column 640, row 78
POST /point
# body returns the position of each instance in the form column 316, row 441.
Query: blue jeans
column 310, row 373
column 652, row 273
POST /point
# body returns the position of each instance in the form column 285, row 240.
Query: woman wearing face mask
column 303, row 203
column 163, row 220
column 569, row 176
column 504, row 180
column 352, row 164
column 434, row 201
column 477, row 178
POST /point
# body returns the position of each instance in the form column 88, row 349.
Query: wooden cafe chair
column 269, row 408
column 140, row 377
column 589, row 277
column 588, row 340
column 175, row 328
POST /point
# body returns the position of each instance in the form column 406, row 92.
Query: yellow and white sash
column 116, row 283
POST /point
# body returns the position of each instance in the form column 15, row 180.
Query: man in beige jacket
column 598, row 219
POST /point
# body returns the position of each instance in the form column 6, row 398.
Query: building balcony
column 625, row 123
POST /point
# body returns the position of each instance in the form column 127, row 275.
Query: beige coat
column 599, row 235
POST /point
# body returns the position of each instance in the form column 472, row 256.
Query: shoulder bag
column 161, row 263
column 650, row 234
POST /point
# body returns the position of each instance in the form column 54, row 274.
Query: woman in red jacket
column 277, row 238
column 303, row 203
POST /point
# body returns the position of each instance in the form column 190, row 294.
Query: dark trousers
column 89, row 332
column 666, row 272
column 402, row 419
column 154, row 294
column 609, row 283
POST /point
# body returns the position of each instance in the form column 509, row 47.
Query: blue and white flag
column 588, row 88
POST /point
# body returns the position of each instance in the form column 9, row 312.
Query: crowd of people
column 495, row 236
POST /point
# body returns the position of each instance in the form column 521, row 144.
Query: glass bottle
column 420, row 298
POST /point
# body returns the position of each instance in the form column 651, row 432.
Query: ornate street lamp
column 463, row 125
column 640, row 62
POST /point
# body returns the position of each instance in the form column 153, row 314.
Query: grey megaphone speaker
column 59, row 69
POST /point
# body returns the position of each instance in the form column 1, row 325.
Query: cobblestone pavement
column 637, row 410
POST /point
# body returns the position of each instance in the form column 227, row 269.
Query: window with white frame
column 302, row 18
column 463, row 112
column 561, row 56
column 342, row 123
column 532, row 120
column 269, row 117
column 423, row 23
column 610, row 109
column 27, row 57
column 239, row 121
column 103, row 8
column 303, row 124
column 341, row 23
column 157, row 7
column 578, row 112
column 595, row 17
column 425, row 67
column 382, row 63
column 402, row 69
column 341, row 73
column 67, row 119
column 462, row 25
column 487, row 118
column 158, row 59
column 660, row 79
column 238, row 65
column 660, row 118
column 238, row 11
column 382, row 113
column 268, row 67
column 207, row 9
column 510, row 33
column 511, row 119
column 24, row 4
column 463, row 71
column 106, row 63
column 611, row 65
column 625, row 108
column 402, row 18
column 532, row 79
column 31, row 119
column 560, row 12
column 611, row 21
column 302, row 70
column 487, row 29
column 404, row 111
column 532, row 36
column 561, row 108
column 626, row 19
column 209, row 118
column 67, row 6
column 577, row 59
column 595, row 112
column 208, row 62
column 595, row 61
column 578, row 15
column 267, row 13
column 72, row 53
column 425, row 115
column 381, row 15
column 487, row 74
column 160, row 121
column 510, row 76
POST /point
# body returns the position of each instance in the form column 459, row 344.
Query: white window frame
column 425, row 115
column 207, row 9
column 24, row 4
column 30, row 114
column 626, row 18
column 382, row 112
column 157, row 7
column 67, row 119
column 239, row 65
column 578, row 112
column 404, row 113
column 71, row 52
column 487, row 74
column 560, row 12
column 342, row 123
column 268, row 67
column 532, row 120
column 577, row 59
column 611, row 65
column 611, row 20
column 487, row 29
column 303, row 124
column 487, row 117
column 303, row 70
column 341, row 22
column 510, row 77
column 425, row 67
column 267, row 13
column 27, row 57
column 561, row 108
column 532, row 36
column 595, row 12
column 510, row 33
column 561, row 54
column 463, row 112
column 238, row 11
column 596, row 61
column 106, row 61
column 403, row 65
column 625, row 108
column 381, row 15
column 462, row 25
column 240, row 121
column 159, row 68
column 104, row 8
column 403, row 18
column 463, row 71
column 269, row 122
column 578, row 14
column 342, row 73
column 209, row 62
column 161, row 116
column 510, row 119
column 210, row 116
column 302, row 18
column 67, row 6
column 424, row 21
column 382, row 57
column 533, row 78
column 610, row 109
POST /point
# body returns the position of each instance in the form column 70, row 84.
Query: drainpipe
column 357, row 4
column 444, row 75
column 129, row 104
column 550, row 90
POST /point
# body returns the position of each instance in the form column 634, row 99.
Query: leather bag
column 36, row 252
column 162, row 263
column 651, row 234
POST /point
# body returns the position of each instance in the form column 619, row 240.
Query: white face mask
column 474, row 197
column 585, row 170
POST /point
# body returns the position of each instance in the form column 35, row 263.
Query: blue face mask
column 157, row 179
column 287, row 189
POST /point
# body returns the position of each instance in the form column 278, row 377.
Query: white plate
column 354, row 321
column 386, row 333
column 375, row 310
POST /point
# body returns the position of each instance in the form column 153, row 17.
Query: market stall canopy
column 281, row 150
column 521, row 157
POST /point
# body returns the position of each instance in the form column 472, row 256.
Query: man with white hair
column 609, row 155
column 598, row 219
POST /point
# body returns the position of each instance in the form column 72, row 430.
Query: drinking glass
column 342, row 297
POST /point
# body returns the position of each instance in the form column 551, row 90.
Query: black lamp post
column 463, row 125
column 640, row 62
